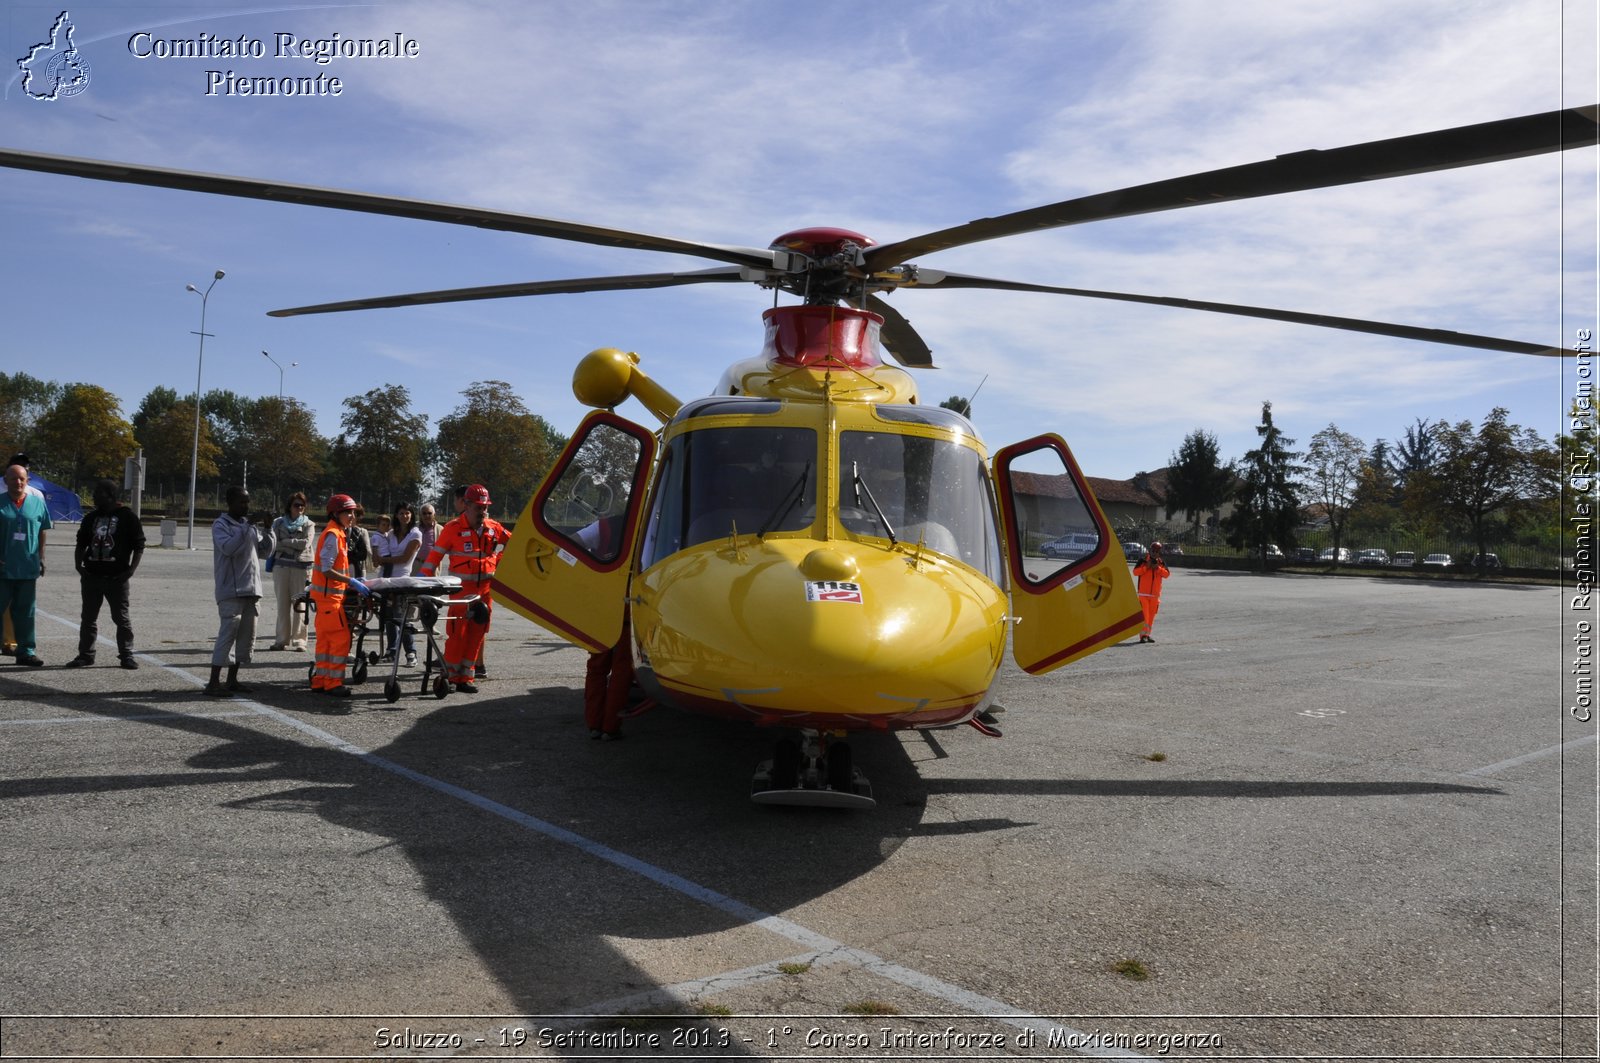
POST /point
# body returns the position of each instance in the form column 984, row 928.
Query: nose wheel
column 811, row 772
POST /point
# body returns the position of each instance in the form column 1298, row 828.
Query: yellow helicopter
column 811, row 548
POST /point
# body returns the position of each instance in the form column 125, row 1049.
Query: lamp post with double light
column 274, row 361
column 194, row 457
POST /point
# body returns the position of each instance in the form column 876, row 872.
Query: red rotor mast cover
column 822, row 335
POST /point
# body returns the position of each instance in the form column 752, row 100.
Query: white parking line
column 825, row 949
column 1540, row 754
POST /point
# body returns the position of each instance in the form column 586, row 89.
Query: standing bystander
column 110, row 546
column 24, row 518
column 237, row 545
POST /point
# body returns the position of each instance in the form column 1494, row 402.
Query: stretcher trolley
column 416, row 599
column 427, row 599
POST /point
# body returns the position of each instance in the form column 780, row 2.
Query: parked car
column 1271, row 552
column 1305, row 555
column 1134, row 551
column 1072, row 546
column 1344, row 556
column 1487, row 562
column 1373, row 557
column 1403, row 559
column 1438, row 561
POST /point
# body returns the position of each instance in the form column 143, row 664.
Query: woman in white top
column 402, row 542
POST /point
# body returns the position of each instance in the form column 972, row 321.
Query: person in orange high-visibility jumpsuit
column 609, row 676
column 472, row 542
column 330, row 577
column 1149, row 573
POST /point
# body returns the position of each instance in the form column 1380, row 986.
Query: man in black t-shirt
column 110, row 546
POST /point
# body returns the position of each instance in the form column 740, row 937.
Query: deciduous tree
column 493, row 439
column 1333, row 473
column 83, row 437
column 379, row 453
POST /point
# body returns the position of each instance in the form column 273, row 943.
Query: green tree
column 494, row 440
column 1333, row 474
column 282, row 436
column 1196, row 480
column 168, row 440
column 959, row 405
column 24, row 400
column 1496, row 471
column 157, row 401
column 379, row 453
column 229, row 415
column 1267, row 506
column 84, row 436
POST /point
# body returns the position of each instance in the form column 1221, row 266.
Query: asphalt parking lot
column 1318, row 817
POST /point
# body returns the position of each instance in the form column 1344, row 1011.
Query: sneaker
column 30, row 660
column 595, row 734
column 80, row 661
column 411, row 660
column 480, row 672
column 611, row 736
column 130, row 664
column 466, row 688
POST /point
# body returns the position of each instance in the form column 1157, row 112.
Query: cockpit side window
column 919, row 489
column 715, row 481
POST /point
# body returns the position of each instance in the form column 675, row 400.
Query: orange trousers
column 1149, row 603
column 333, row 644
column 463, row 646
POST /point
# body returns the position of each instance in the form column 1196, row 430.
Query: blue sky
column 735, row 122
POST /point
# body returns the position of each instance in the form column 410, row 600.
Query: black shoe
column 466, row 688
column 480, row 672
column 214, row 691
column 611, row 736
column 80, row 661
column 129, row 663
column 336, row 692
column 237, row 688
column 30, row 661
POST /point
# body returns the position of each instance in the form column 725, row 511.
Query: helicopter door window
column 1057, row 528
column 588, row 504
column 915, row 489
column 716, row 482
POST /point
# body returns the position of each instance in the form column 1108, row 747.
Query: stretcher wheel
column 441, row 686
column 358, row 674
column 391, row 691
column 311, row 671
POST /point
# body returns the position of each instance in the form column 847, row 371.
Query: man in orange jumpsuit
column 330, row 576
column 472, row 542
column 1149, row 573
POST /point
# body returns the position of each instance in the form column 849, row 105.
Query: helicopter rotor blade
column 931, row 279
column 1508, row 138
column 507, row 291
column 899, row 338
column 395, row 206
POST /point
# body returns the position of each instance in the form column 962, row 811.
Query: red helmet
column 341, row 503
column 1155, row 547
column 477, row 493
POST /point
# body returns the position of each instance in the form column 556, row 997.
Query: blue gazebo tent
column 64, row 505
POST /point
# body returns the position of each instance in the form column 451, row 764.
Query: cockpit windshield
column 713, row 481
column 912, row 489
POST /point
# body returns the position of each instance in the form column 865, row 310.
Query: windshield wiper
column 860, row 486
column 790, row 499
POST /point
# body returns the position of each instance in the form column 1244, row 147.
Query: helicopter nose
column 820, row 636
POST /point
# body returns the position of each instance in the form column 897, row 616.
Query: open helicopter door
column 568, row 563
column 1071, row 591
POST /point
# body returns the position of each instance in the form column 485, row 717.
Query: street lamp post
column 274, row 361
column 194, row 457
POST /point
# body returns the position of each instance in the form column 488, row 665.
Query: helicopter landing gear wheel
column 441, row 686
